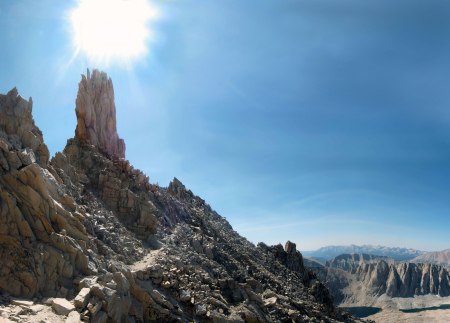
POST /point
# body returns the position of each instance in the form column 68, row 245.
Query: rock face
column 43, row 241
column 89, row 229
column 96, row 114
column 288, row 256
column 19, row 133
column 121, row 188
column 355, row 277
column 351, row 262
column 405, row 280
column 437, row 257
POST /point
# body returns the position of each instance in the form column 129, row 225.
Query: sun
column 108, row 31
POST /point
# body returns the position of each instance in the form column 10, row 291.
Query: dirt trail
column 148, row 259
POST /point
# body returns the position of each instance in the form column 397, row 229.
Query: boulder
column 21, row 302
column 73, row 317
column 82, row 298
column 62, row 306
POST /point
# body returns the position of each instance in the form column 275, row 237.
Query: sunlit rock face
column 96, row 114
column 18, row 129
column 358, row 279
column 43, row 243
column 78, row 227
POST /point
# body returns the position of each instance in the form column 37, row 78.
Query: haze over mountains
column 435, row 257
column 329, row 252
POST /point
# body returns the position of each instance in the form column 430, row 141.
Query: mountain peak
column 89, row 227
column 96, row 114
column 18, row 130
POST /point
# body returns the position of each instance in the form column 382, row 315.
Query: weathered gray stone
column 96, row 114
column 88, row 212
column 27, row 157
column 22, row 302
column 185, row 296
column 62, row 306
column 82, row 298
column 73, row 317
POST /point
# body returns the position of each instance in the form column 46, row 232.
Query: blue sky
column 319, row 121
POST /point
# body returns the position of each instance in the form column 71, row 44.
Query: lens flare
column 108, row 31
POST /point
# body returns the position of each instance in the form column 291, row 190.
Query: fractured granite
column 92, row 233
column 96, row 114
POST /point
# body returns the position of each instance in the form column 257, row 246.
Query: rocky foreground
column 86, row 237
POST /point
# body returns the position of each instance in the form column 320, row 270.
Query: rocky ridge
column 436, row 257
column 351, row 262
column 398, row 254
column 43, row 239
column 405, row 279
column 88, row 235
column 353, row 278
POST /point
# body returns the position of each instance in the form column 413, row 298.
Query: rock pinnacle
column 96, row 114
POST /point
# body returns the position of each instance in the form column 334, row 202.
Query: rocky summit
column 86, row 237
column 96, row 114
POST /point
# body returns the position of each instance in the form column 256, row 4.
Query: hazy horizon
column 315, row 121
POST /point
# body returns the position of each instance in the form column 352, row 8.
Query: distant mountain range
column 359, row 278
column 437, row 257
column 399, row 254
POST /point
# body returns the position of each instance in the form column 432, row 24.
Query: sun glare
column 108, row 31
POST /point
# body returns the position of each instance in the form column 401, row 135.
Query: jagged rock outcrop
column 177, row 189
column 44, row 243
column 353, row 278
column 19, row 133
column 90, row 229
column 123, row 189
column 350, row 262
column 288, row 256
column 405, row 279
column 96, row 114
column 293, row 260
column 436, row 257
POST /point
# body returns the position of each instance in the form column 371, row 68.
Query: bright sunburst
column 112, row 30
